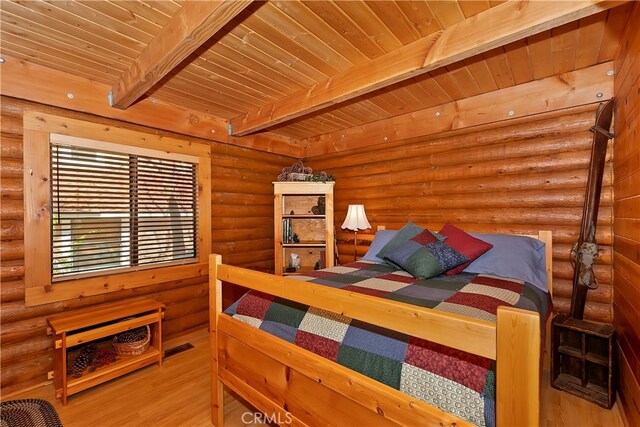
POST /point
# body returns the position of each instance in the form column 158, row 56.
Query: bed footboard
column 294, row 386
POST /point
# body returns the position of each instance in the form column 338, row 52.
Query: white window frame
column 40, row 129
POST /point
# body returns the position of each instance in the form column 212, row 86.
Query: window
column 110, row 209
column 113, row 211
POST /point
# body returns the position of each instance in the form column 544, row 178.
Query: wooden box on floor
column 583, row 360
column 98, row 324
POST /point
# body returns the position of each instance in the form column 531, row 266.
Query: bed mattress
column 457, row 382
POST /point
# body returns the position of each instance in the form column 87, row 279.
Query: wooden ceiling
column 264, row 52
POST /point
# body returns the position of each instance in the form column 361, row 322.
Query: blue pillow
column 515, row 257
column 381, row 238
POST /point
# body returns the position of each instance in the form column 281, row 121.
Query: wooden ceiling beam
column 567, row 90
column 195, row 23
column 500, row 25
column 32, row 82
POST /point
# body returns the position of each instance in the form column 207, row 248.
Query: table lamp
column 356, row 220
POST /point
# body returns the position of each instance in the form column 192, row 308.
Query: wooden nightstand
column 583, row 361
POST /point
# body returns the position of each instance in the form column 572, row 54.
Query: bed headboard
column 544, row 236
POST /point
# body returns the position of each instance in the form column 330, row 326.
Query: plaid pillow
column 409, row 231
column 424, row 256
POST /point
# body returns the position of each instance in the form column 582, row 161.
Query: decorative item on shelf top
column 295, row 172
column 321, row 176
column 133, row 342
column 83, row 360
column 299, row 172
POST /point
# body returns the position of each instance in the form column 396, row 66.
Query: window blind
column 119, row 211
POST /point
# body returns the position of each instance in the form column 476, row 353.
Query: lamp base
column 355, row 246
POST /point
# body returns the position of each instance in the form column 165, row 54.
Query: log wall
column 627, row 219
column 242, row 231
column 521, row 177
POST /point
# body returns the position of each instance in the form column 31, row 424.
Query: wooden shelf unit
column 583, row 361
column 315, row 231
column 83, row 326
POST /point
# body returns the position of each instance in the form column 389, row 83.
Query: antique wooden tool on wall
column 586, row 249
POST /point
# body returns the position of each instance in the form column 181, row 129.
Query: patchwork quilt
column 457, row 382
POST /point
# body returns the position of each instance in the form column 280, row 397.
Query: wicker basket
column 133, row 348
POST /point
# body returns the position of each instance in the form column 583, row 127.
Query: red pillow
column 464, row 243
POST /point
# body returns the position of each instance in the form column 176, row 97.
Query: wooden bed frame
column 293, row 386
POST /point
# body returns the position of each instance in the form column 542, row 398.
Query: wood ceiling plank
column 293, row 29
column 212, row 63
column 198, row 90
column 423, row 96
column 214, row 82
column 497, row 62
column 75, row 26
column 124, row 16
column 463, row 78
column 252, row 65
column 447, row 83
column 589, row 39
column 374, row 109
column 383, row 103
column 24, row 54
column 257, row 47
column 21, row 27
column 420, row 16
column 338, row 119
column 541, row 58
column 192, row 25
column 286, row 43
column 405, row 100
column 564, row 40
column 448, row 13
column 482, row 75
column 54, row 56
column 336, row 18
column 174, row 96
column 169, row 8
column 101, row 19
column 361, row 13
column 456, row 43
column 345, row 115
column 152, row 12
column 360, row 113
column 57, row 51
column 473, row 7
column 217, row 72
column 519, row 61
column 616, row 23
column 394, row 21
column 437, row 93
column 319, row 28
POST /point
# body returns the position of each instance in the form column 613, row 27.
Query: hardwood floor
column 178, row 395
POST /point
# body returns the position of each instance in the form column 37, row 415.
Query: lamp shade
column 356, row 218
